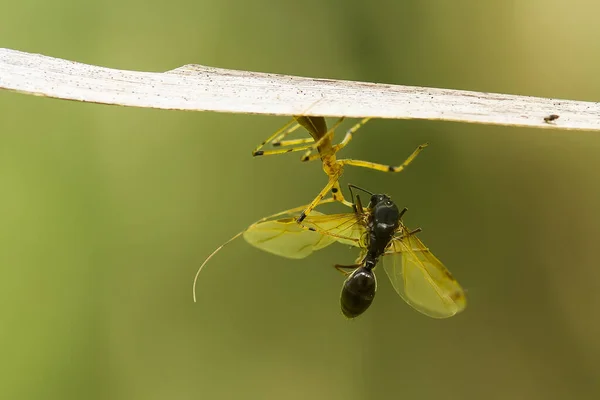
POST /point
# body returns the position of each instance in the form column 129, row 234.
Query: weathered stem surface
column 200, row 88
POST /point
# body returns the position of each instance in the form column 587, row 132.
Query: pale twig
column 200, row 88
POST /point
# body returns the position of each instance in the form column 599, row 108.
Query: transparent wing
column 421, row 279
column 345, row 228
column 286, row 238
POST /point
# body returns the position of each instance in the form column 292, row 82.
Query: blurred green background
column 107, row 212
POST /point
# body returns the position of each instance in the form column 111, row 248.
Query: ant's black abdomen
column 358, row 292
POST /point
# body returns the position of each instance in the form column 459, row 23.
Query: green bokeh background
column 107, row 212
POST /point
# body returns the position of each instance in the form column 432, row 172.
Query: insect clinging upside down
column 321, row 141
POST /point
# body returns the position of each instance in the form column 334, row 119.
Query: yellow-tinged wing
column 285, row 237
column 345, row 228
column 421, row 279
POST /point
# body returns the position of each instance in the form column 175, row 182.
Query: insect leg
column 311, row 124
column 307, row 144
column 349, row 135
column 382, row 167
column 310, row 157
column 291, row 211
column 405, row 233
column 347, row 224
column 359, row 263
column 404, row 210
column 337, row 195
column 290, row 127
column 332, row 180
column 343, row 268
column 285, row 130
column 287, row 149
column 293, row 142
column 336, row 190
column 414, row 232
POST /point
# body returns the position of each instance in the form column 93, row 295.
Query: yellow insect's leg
column 310, row 143
column 344, row 224
column 279, row 134
column 311, row 147
column 276, row 140
column 317, row 201
column 285, row 150
column 349, row 135
column 294, row 142
column 310, row 157
column 308, row 228
column 291, row 211
column 285, row 133
column 332, row 180
column 336, row 193
column 336, row 190
column 382, row 167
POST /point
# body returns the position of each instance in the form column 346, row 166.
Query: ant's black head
column 384, row 211
column 379, row 199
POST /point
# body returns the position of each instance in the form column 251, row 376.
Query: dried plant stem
column 200, row 88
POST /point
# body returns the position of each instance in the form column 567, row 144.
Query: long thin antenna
column 209, row 257
column 290, row 211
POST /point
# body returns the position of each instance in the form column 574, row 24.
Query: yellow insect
column 416, row 274
column 321, row 141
